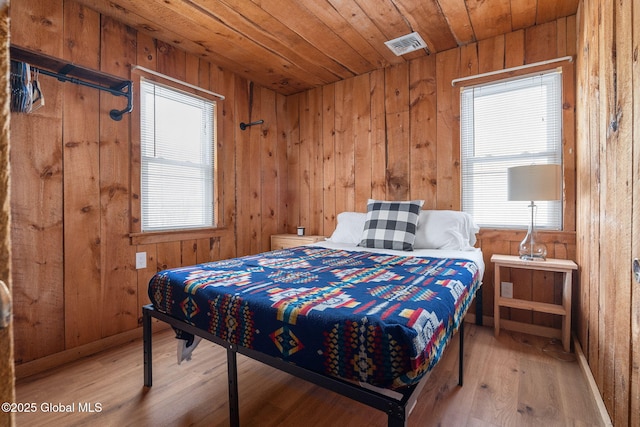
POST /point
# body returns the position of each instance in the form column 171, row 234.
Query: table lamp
column 533, row 183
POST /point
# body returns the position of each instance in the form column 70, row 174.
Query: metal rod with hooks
column 68, row 72
column 117, row 91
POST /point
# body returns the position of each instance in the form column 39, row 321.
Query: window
column 177, row 139
column 511, row 122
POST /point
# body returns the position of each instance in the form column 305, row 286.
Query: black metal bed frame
column 397, row 410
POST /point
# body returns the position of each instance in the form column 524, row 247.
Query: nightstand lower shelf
column 532, row 305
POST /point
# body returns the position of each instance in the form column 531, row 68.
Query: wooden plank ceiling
column 293, row 45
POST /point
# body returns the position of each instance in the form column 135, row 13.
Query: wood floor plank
column 496, row 401
column 502, row 376
column 538, row 401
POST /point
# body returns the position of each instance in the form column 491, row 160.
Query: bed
column 367, row 322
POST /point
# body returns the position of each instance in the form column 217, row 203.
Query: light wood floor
column 515, row 380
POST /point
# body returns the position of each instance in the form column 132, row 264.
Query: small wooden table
column 283, row 241
column 557, row 265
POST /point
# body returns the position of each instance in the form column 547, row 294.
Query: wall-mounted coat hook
column 244, row 125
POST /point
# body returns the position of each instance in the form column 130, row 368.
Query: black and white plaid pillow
column 391, row 225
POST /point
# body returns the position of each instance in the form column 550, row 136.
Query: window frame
column 154, row 236
column 568, row 129
column 490, row 164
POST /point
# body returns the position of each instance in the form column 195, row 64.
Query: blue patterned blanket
column 375, row 318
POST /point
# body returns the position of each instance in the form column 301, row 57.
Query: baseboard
column 52, row 361
column 593, row 387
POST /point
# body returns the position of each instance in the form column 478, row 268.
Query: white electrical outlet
column 506, row 289
column 141, row 260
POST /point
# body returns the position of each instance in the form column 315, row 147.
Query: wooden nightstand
column 558, row 265
column 283, row 241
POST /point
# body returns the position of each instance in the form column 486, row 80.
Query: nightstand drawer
column 283, row 241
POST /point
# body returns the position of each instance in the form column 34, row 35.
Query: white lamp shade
column 534, row 182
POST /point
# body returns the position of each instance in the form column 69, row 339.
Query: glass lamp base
column 532, row 250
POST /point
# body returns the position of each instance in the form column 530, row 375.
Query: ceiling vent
column 406, row 44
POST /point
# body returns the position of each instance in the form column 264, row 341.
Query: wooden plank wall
column 608, row 144
column 73, row 204
column 394, row 134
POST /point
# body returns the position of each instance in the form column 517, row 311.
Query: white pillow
column 444, row 229
column 350, row 228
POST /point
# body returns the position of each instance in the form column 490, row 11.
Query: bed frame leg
column 232, row 374
column 147, row 336
column 396, row 416
column 461, row 358
column 479, row 313
column 396, row 422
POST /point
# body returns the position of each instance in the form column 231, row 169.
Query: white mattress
column 472, row 255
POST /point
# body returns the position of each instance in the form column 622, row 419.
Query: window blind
column 177, row 146
column 512, row 122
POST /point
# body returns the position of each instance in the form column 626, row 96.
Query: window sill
column 151, row 237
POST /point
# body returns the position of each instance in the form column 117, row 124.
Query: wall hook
column 244, row 125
